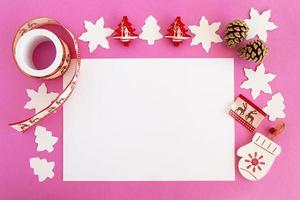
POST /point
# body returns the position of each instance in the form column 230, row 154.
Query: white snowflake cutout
column 205, row 33
column 44, row 139
column 258, row 81
column 259, row 24
column 96, row 34
column 42, row 168
column 39, row 99
column 275, row 107
column 150, row 31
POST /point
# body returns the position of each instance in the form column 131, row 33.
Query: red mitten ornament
column 125, row 32
column 258, row 156
column 177, row 32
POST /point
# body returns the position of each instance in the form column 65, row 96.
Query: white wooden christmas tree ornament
column 259, row 24
column 96, row 34
column 42, row 168
column 205, row 33
column 44, row 139
column 150, row 31
column 257, row 157
column 40, row 99
column 275, row 107
column 258, row 81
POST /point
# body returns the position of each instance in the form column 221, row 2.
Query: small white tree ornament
column 150, row 31
column 44, row 139
column 275, row 107
column 42, row 168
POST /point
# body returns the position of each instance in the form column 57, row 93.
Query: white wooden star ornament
column 205, row 33
column 44, row 139
column 275, row 107
column 259, row 24
column 42, row 168
column 40, row 99
column 96, row 34
column 258, row 81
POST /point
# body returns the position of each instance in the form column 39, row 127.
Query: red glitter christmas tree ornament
column 177, row 32
column 125, row 32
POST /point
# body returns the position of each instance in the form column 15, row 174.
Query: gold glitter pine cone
column 255, row 51
column 235, row 32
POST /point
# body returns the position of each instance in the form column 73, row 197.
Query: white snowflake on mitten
column 205, row 34
column 150, row 31
column 44, row 139
column 275, row 107
column 257, row 157
column 259, row 24
column 258, row 81
column 39, row 99
column 96, row 34
column 42, row 168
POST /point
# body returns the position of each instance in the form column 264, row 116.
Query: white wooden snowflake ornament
column 150, row 31
column 275, row 107
column 259, row 24
column 39, row 99
column 44, row 139
column 205, row 34
column 258, row 81
column 42, row 168
column 96, row 34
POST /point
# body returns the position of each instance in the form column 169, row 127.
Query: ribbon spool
column 27, row 38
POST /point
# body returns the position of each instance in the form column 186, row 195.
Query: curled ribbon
column 64, row 65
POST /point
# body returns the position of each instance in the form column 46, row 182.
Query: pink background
column 16, row 177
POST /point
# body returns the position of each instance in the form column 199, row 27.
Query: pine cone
column 255, row 51
column 235, row 32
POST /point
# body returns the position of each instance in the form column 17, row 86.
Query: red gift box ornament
column 125, row 32
column 177, row 32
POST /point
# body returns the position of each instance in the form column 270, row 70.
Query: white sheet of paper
column 150, row 120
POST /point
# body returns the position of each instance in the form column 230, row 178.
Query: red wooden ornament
column 125, row 32
column 177, row 32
